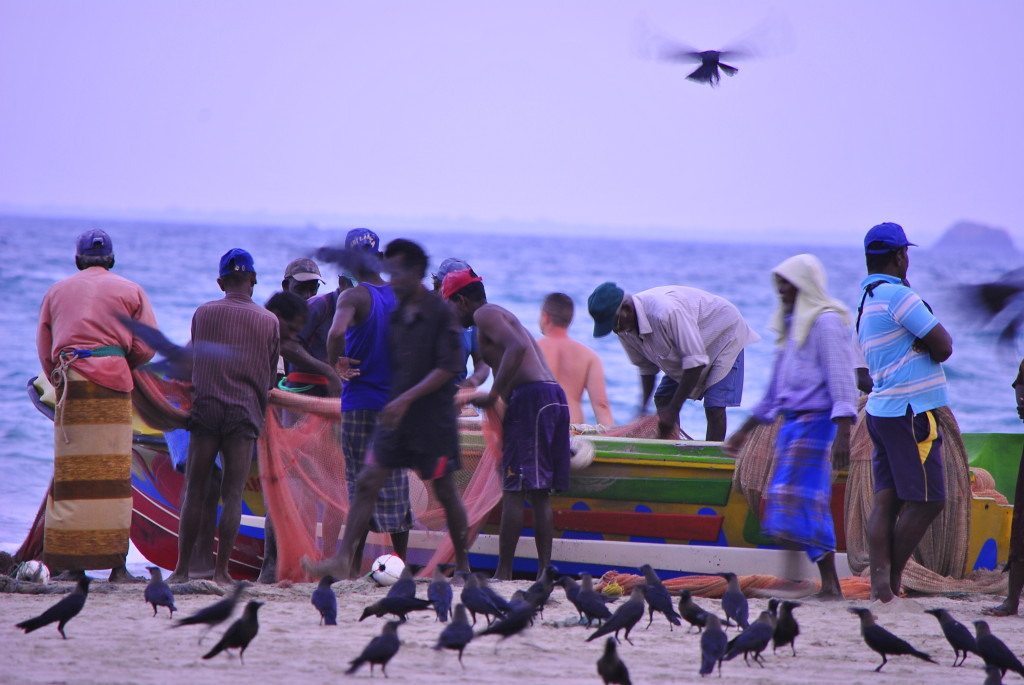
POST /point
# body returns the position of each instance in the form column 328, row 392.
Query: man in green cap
column 695, row 338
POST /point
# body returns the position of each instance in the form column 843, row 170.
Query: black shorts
column 397, row 449
column 908, row 456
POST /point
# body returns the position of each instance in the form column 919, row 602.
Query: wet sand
column 117, row 640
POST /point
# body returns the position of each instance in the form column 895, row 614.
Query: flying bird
column 380, row 650
column 177, row 360
column 240, row 634
column 957, row 634
column 216, row 613
column 158, row 593
column 710, row 62
column 325, row 601
column 610, row 667
column 882, row 641
column 998, row 305
column 61, row 612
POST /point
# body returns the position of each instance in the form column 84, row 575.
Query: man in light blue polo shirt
column 904, row 345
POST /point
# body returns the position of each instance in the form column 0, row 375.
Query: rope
column 59, row 375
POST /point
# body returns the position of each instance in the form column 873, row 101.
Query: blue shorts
column 727, row 392
column 897, row 465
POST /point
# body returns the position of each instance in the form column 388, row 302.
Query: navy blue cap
column 236, row 260
column 888, row 234
column 95, row 243
column 362, row 237
column 602, row 304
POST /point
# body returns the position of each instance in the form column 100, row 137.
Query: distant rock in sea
column 965, row 235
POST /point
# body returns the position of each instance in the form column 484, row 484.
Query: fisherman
column 813, row 387
column 88, row 355
column 904, row 346
column 694, row 337
column 358, row 339
column 229, row 406
column 470, row 347
column 535, row 449
column 576, row 366
column 305, row 356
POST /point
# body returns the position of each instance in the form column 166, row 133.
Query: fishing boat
column 668, row 503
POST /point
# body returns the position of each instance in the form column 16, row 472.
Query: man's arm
column 296, row 355
column 597, row 393
column 140, row 352
column 353, row 306
column 668, row 415
column 491, row 323
column 394, row 410
column 44, row 339
column 646, row 389
column 938, row 343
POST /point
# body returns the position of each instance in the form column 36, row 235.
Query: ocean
column 177, row 265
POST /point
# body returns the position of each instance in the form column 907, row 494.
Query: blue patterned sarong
column 798, row 501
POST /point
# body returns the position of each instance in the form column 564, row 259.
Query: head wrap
column 807, row 274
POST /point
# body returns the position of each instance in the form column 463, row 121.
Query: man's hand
column 483, row 400
column 734, row 445
column 392, row 413
column 668, row 423
column 841, row 443
column 346, row 368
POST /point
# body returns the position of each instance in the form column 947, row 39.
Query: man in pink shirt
column 88, row 354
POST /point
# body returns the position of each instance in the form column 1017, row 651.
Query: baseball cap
column 602, row 305
column 302, row 270
column 236, row 260
column 95, row 243
column 456, row 281
column 888, row 234
column 362, row 237
column 449, row 265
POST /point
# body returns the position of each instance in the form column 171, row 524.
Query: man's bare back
column 508, row 347
column 576, row 367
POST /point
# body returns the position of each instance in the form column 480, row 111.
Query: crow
column 61, row 612
column 658, row 598
column 786, row 627
column 177, row 359
column 379, row 650
column 882, row 641
column 216, row 613
column 734, row 602
column 516, row 620
column 692, row 613
column 405, row 586
column 710, row 62
column 397, row 606
column 994, row 651
column 541, row 589
column 754, row 639
column 158, row 593
column 240, row 634
column 485, row 587
column 572, row 592
column 713, row 644
column 625, row 617
column 592, row 604
column 440, row 593
column 957, row 634
column 457, row 634
column 610, row 667
column 477, row 601
column 325, row 601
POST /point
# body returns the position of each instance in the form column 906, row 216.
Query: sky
column 518, row 116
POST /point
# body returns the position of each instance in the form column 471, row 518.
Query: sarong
column 89, row 507
column 797, row 504
column 393, row 512
column 535, row 446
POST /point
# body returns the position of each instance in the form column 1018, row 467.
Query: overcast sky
column 514, row 113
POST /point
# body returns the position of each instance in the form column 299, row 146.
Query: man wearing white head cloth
column 813, row 386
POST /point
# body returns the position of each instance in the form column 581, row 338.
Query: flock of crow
column 776, row 626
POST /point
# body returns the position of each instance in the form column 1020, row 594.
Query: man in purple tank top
column 358, row 345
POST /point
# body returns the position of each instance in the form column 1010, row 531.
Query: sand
column 116, row 639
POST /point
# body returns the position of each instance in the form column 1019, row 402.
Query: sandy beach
column 116, row 639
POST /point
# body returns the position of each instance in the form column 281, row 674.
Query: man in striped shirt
column 904, row 345
column 229, row 407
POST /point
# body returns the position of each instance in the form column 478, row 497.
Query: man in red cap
column 535, row 447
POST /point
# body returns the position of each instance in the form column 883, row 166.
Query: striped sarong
column 393, row 512
column 798, row 501
column 89, row 507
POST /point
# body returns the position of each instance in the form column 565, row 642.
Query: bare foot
column 884, row 595
column 121, row 575
column 70, row 574
column 177, row 579
column 223, row 579
column 1004, row 609
column 329, row 567
column 828, row 596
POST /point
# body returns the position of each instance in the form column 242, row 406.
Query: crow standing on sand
column 158, row 593
column 591, row 603
column 692, row 612
column 753, row 640
column 625, row 617
column 61, row 612
column 405, row 586
column 734, row 602
column 957, row 634
column 713, row 644
column 610, row 667
column 457, row 634
column 572, row 593
column 240, row 634
column 515, row 621
column 379, row 650
column 440, row 593
column 786, row 627
column 882, row 641
column 540, row 590
column 658, row 598
column 325, row 601
column 398, row 606
column 477, row 601
column 994, row 651
column 216, row 613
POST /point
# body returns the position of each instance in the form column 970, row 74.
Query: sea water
column 177, row 266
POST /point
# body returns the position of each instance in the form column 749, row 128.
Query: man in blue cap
column 229, row 408
column 904, row 345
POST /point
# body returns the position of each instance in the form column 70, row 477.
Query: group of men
column 397, row 352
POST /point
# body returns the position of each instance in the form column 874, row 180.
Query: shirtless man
column 576, row 366
column 535, row 450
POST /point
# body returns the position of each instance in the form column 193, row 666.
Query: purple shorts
column 535, row 448
column 896, row 463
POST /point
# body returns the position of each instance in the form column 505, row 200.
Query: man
column 88, row 354
column 229, row 406
column 302, row 277
column 535, row 442
column 813, row 387
column 304, row 365
column 576, row 366
column 904, row 345
column 418, row 428
column 469, row 341
column 694, row 337
column 1015, row 560
column 359, row 339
